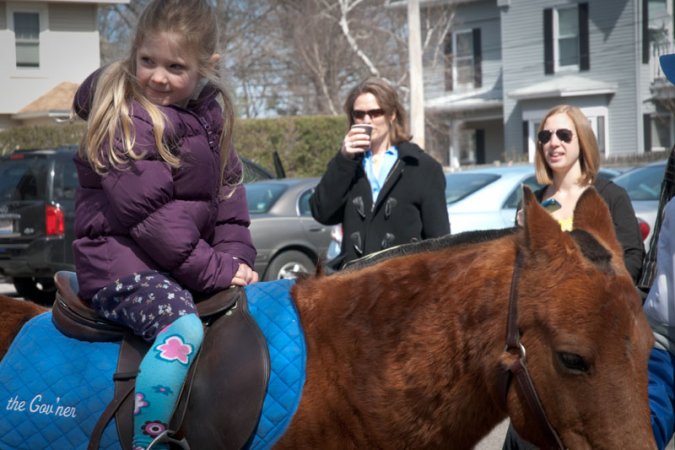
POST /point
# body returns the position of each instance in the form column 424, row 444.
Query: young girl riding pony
column 160, row 211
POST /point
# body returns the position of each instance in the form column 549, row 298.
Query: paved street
column 494, row 440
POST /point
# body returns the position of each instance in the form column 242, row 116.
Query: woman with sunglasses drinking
column 384, row 189
column 567, row 162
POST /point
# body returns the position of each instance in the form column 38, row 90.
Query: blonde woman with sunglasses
column 567, row 159
column 381, row 187
column 567, row 162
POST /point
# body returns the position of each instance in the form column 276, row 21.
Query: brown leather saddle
column 221, row 401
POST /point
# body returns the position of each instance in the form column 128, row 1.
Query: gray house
column 508, row 61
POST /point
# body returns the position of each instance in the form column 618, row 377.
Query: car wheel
column 288, row 264
column 39, row 290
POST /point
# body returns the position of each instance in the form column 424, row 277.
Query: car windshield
column 459, row 185
column 23, row 179
column 643, row 183
column 262, row 196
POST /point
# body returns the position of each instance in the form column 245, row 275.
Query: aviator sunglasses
column 563, row 134
column 373, row 113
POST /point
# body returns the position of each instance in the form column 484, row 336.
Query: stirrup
column 165, row 438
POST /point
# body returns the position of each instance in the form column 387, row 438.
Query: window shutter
column 447, row 51
column 548, row 41
column 645, row 31
column 647, row 132
column 477, row 59
column 584, row 47
column 480, row 146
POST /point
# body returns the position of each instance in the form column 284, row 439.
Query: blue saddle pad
column 53, row 388
column 271, row 305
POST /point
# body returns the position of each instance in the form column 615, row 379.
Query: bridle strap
column 519, row 368
column 512, row 332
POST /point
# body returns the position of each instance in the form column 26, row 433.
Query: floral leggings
column 156, row 308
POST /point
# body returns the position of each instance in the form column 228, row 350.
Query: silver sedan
column 289, row 241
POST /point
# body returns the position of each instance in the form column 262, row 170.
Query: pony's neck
column 384, row 335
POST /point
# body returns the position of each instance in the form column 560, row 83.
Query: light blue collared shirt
column 377, row 180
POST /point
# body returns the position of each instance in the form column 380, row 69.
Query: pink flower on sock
column 139, row 403
column 154, row 428
column 174, row 349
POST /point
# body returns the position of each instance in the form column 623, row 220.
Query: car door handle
column 319, row 229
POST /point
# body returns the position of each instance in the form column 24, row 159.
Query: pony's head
column 576, row 297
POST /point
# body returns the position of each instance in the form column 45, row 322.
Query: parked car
column 487, row 198
column 37, row 202
column 289, row 241
column 643, row 185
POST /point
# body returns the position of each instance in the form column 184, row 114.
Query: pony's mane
column 593, row 250
column 429, row 245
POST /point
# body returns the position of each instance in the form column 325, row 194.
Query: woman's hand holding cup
column 357, row 140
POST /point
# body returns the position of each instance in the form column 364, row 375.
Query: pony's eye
column 573, row 362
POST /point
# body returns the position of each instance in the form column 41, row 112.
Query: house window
column 566, row 39
column 467, row 146
column 27, row 37
column 463, row 60
column 660, row 131
column 659, row 19
column 600, row 134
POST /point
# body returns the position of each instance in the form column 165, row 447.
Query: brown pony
column 14, row 315
column 407, row 351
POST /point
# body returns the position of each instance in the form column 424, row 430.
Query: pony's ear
column 592, row 214
column 542, row 232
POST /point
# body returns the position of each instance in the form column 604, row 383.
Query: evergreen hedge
column 305, row 143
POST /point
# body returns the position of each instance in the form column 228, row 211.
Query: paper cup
column 367, row 129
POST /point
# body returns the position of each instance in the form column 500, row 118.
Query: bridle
column 518, row 369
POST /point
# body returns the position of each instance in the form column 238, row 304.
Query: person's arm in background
column 626, row 228
column 328, row 200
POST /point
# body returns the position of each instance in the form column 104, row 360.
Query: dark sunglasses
column 563, row 134
column 373, row 113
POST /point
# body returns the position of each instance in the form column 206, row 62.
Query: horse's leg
column 15, row 313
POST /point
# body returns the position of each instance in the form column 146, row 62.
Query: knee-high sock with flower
column 162, row 373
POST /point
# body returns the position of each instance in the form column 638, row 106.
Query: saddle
column 231, row 371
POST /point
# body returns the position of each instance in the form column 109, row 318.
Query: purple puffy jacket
column 149, row 216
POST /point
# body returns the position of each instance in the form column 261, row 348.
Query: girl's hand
column 244, row 276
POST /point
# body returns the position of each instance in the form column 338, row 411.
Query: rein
column 518, row 368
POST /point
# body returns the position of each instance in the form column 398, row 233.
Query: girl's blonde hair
column 194, row 22
column 589, row 155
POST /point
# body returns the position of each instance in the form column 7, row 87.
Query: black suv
column 37, row 203
column 37, row 214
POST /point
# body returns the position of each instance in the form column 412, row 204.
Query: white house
column 48, row 48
